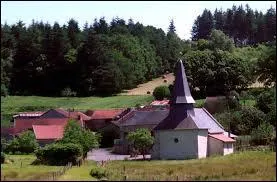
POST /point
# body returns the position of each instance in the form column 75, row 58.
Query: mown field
column 248, row 165
column 13, row 104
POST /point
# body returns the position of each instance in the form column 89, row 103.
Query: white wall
column 187, row 146
column 202, row 143
column 228, row 148
column 215, row 147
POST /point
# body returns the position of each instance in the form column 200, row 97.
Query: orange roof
column 222, row 137
column 104, row 114
column 48, row 131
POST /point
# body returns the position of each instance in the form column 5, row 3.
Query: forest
column 228, row 50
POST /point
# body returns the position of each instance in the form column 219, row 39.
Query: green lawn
column 14, row 170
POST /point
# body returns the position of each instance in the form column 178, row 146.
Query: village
column 138, row 91
column 192, row 132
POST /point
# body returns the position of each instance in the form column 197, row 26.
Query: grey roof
column 203, row 119
column 145, row 118
column 181, row 91
column 198, row 118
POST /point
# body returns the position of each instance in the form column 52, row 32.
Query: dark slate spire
column 181, row 104
column 181, row 93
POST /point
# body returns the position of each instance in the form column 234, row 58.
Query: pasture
column 247, row 165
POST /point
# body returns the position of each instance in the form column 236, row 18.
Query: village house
column 180, row 130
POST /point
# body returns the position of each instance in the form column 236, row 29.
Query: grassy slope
column 14, row 171
column 239, row 166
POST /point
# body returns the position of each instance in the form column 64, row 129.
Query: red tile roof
column 222, row 137
column 43, row 132
column 23, row 124
column 104, row 114
column 159, row 102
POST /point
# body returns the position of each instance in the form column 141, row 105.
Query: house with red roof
column 46, row 134
column 102, row 121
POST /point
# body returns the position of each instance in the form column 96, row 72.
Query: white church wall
column 215, row 147
column 202, row 143
column 228, row 148
column 178, row 144
column 155, row 152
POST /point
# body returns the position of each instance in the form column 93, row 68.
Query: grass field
column 13, row 104
column 26, row 171
column 249, row 165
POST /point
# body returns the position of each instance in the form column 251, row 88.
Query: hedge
column 59, row 154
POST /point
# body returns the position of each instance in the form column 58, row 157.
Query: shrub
column 265, row 101
column 59, row 154
column 246, row 119
column 4, row 90
column 142, row 140
column 161, row 92
column 67, row 92
column 2, row 157
column 75, row 134
column 263, row 134
column 26, row 143
column 98, row 172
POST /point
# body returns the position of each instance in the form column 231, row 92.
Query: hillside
column 142, row 89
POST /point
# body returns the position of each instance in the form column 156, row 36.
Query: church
column 188, row 132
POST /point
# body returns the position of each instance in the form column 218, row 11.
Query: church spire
column 181, row 92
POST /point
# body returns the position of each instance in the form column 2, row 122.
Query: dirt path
column 142, row 89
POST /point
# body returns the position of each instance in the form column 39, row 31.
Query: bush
column 266, row 100
column 233, row 100
column 142, row 140
column 26, row 143
column 59, row 154
column 75, row 134
column 4, row 90
column 2, row 157
column 67, row 92
column 246, row 119
column 161, row 92
column 98, row 172
column 263, row 134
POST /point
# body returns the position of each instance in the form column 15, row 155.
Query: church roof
column 198, row 118
column 181, row 91
column 153, row 117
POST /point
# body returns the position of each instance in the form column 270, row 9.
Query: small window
column 176, row 140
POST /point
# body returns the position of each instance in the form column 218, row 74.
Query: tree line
column 244, row 25
column 101, row 59
column 105, row 58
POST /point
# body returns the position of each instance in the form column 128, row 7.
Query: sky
column 155, row 13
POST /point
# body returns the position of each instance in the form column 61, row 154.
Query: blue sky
column 155, row 13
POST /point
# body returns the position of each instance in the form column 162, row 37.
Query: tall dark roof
column 181, row 91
